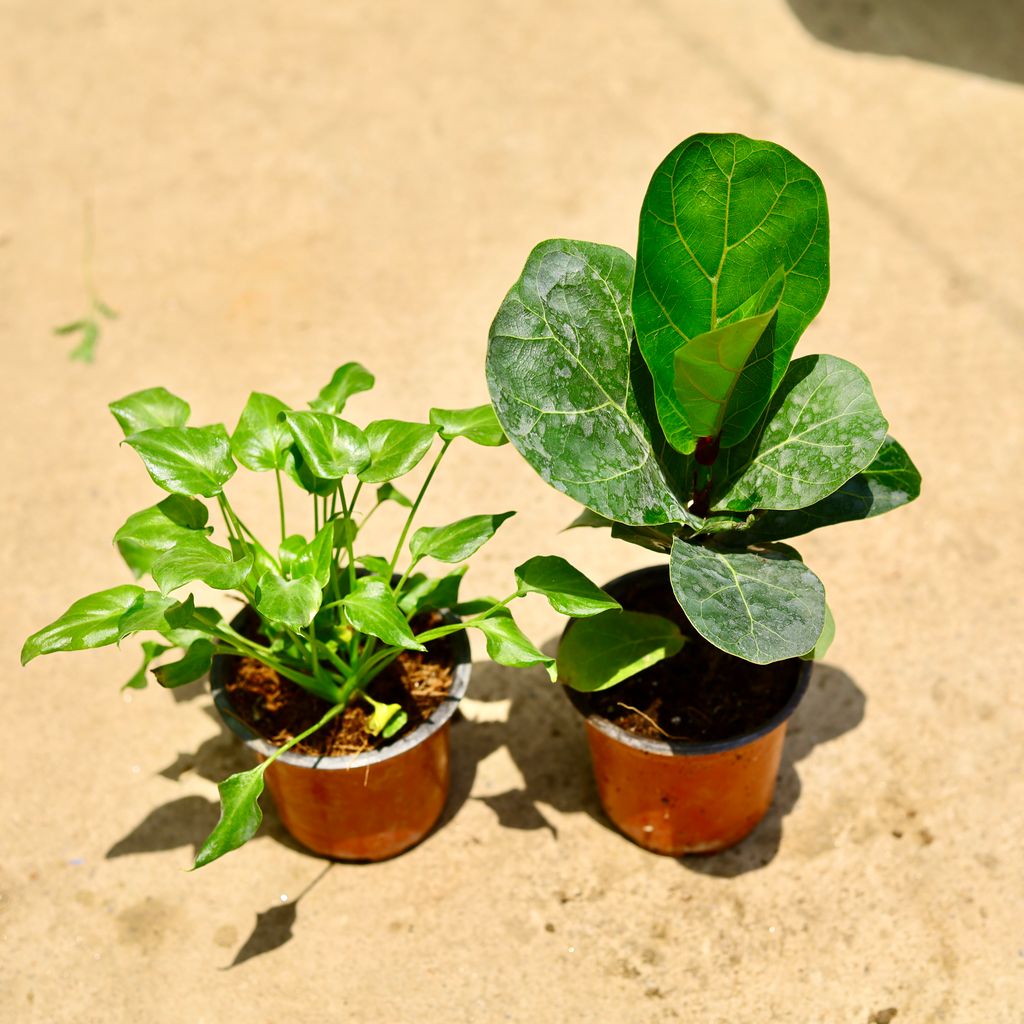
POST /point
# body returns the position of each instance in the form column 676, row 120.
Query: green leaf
column 197, row 558
column 150, row 649
column 828, row 634
column 395, row 724
column 456, row 541
column 388, row 493
column 707, row 370
column 377, row 565
column 386, row 718
column 291, row 547
column 568, row 591
column 722, row 215
column 821, row 427
column 599, row 652
column 317, row 557
column 396, row 447
column 147, row 534
column 192, row 666
column 69, row 328
column 479, row 425
column 186, row 460
column 330, row 446
column 92, row 621
column 261, row 440
column 145, row 410
column 508, row 645
column 424, row 592
column 149, row 611
column 85, row 350
column 347, row 381
column 762, row 605
column 568, row 393
column 240, row 815
column 292, row 603
column 296, row 468
column 653, row 538
column 371, row 608
column 890, row 481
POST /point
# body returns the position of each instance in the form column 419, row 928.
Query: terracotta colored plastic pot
column 676, row 797
column 368, row 806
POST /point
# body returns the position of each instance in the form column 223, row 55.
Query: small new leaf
column 456, row 541
column 479, row 425
column 292, row 603
column 568, row 591
column 347, row 381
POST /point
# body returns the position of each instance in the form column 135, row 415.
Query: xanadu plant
column 331, row 616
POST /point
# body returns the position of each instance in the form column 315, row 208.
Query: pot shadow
column 982, row 37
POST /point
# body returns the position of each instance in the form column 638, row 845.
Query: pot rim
column 442, row 713
column 683, row 748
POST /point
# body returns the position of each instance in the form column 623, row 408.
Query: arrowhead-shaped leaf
column 196, row 558
column 821, row 427
column 154, row 407
column 722, row 215
column 456, row 541
column 422, row 592
column 92, row 621
column 598, row 653
column 761, row 605
column 396, row 447
column 347, row 381
column 507, row 644
column 566, row 391
column 371, row 608
column 330, row 446
column 315, row 559
column 193, row 665
column 262, row 439
column 186, row 460
column 240, row 815
column 292, row 603
column 388, row 493
column 148, row 534
column 565, row 587
column 479, row 424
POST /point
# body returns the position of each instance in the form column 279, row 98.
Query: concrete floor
column 279, row 188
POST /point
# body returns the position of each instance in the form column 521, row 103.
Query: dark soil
column 701, row 694
column 279, row 709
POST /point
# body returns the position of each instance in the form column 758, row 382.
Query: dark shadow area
column 833, row 705
column 186, row 821
column 980, row 36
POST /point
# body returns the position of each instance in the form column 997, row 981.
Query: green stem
column 416, row 503
column 328, row 715
column 280, row 501
column 316, row 516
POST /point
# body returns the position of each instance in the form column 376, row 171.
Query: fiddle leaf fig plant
column 331, row 617
column 662, row 395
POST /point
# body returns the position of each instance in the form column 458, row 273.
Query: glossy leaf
column 297, row 469
column 347, row 381
column 186, row 460
column 565, row 389
column 568, row 591
column 154, row 407
column 386, row 718
column 147, row 534
column 507, row 644
column 821, row 427
column 371, row 608
column 762, row 605
column 262, row 439
column 437, row 593
column 456, row 541
column 388, row 493
column 289, row 550
column 722, row 215
column 148, row 612
column 599, row 652
column 92, row 621
column 240, row 815
column 396, row 447
column 193, row 665
column 377, row 565
column 330, row 446
column 196, row 558
column 479, row 425
column 317, row 557
column 292, row 603
column 151, row 649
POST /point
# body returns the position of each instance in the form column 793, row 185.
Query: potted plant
column 662, row 396
column 344, row 666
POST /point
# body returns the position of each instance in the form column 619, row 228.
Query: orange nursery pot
column 678, row 797
column 360, row 807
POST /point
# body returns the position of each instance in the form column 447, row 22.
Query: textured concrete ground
column 279, row 188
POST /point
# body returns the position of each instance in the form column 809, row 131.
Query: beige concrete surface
column 281, row 187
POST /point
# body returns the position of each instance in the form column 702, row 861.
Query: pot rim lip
column 461, row 671
column 685, row 748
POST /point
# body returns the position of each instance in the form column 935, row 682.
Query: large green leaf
column 396, row 447
column 565, row 389
column 371, row 608
column 92, row 621
column 240, row 815
column 479, row 424
column 197, row 558
column 821, row 427
column 292, row 603
column 762, row 605
column 566, row 588
column 600, row 652
column 347, row 381
column 891, row 480
column 262, row 439
column 186, row 460
column 507, row 644
column 148, row 534
column 456, row 541
column 148, row 612
column 330, row 446
column 722, row 215
column 154, row 407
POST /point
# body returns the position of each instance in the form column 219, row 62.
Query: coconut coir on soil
column 701, row 694
column 279, row 709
